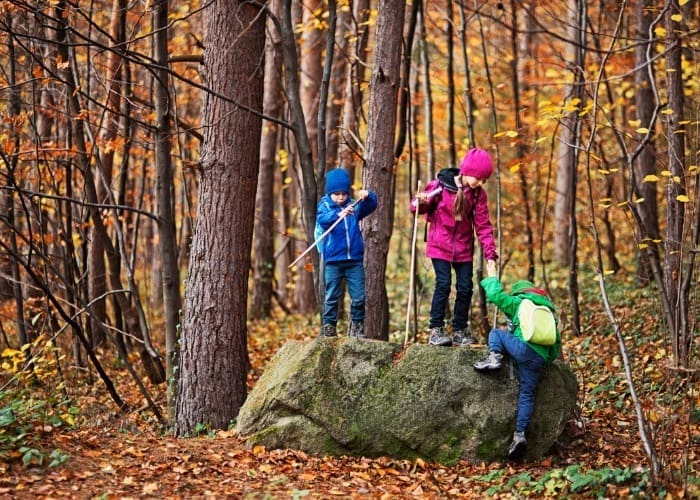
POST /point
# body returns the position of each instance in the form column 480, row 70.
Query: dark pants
column 441, row 295
column 354, row 275
column 529, row 365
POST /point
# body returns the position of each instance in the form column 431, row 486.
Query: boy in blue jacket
column 343, row 250
column 529, row 357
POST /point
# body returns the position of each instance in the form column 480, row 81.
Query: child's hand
column 362, row 194
column 347, row 211
column 491, row 268
column 421, row 198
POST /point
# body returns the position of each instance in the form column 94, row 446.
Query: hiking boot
column 516, row 449
column 462, row 338
column 490, row 363
column 438, row 336
column 328, row 330
column 357, row 329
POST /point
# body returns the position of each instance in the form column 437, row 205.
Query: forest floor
column 110, row 454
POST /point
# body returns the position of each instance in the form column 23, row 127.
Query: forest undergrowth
column 61, row 435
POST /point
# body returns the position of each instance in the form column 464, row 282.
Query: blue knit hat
column 338, row 181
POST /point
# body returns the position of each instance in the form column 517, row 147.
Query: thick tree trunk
column 379, row 167
column 213, row 359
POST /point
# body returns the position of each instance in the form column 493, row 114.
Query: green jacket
column 510, row 304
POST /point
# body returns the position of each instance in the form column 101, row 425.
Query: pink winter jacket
column 451, row 240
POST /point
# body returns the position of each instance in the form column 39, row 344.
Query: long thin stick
column 325, row 233
column 413, row 268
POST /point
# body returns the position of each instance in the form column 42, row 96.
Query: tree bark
column 311, row 49
column 350, row 152
column 305, row 174
column 264, row 263
column 676, row 277
column 170, row 274
column 213, row 360
column 97, row 272
column 379, row 163
column 645, row 163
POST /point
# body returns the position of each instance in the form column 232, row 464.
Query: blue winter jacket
column 345, row 241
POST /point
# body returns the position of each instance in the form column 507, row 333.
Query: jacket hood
column 446, row 176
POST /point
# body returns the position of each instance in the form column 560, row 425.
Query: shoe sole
column 518, row 452
column 487, row 368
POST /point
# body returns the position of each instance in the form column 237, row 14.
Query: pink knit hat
column 477, row 163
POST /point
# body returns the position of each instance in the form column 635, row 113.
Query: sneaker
column 462, row 338
column 328, row 330
column 491, row 362
column 438, row 336
column 357, row 329
column 516, row 449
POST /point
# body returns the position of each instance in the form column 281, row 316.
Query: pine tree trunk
column 379, row 168
column 213, row 359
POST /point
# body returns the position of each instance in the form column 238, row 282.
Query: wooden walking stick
column 413, row 266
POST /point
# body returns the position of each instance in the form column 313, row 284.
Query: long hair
column 458, row 207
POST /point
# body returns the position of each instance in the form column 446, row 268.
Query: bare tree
column 213, row 360
column 97, row 273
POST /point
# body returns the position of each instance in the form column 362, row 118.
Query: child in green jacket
column 529, row 357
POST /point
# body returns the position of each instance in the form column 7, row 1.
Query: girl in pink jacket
column 457, row 209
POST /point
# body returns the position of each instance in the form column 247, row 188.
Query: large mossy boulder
column 343, row 396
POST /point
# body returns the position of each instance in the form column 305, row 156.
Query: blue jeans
column 443, row 286
column 354, row 274
column 529, row 365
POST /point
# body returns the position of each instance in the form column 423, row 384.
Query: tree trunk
column 449, row 43
column 676, row 278
column 264, row 264
column 565, row 224
column 97, row 274
column 172, row 302
column 567, row 135
column 645, row 163
column 521, row 149
column 379, row 167
column 311, row 50
column 338, row 86
column 213, row 360
column 305, row 174
column 350, row 153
